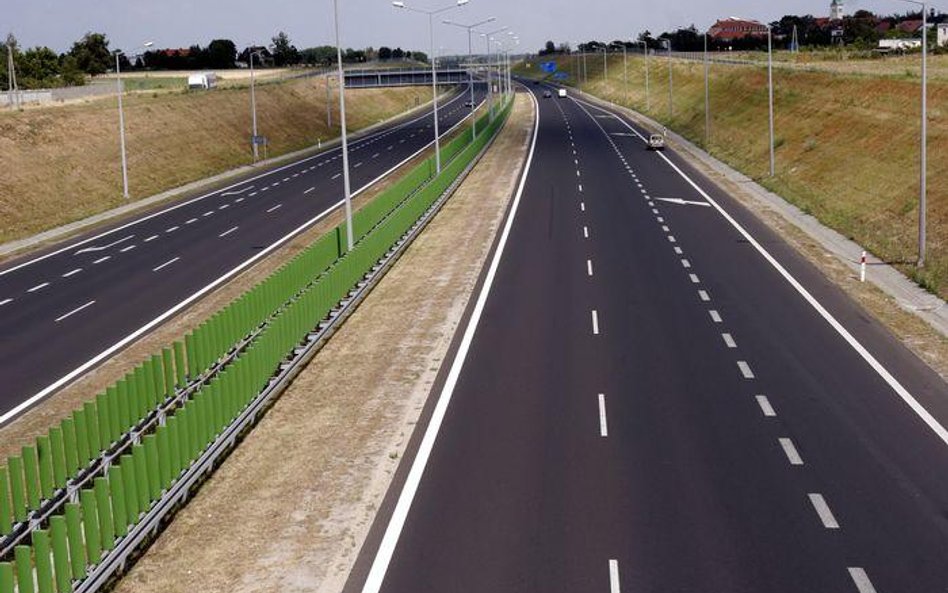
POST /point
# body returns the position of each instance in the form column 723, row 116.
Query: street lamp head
column 148, row 44
column 398, row 4
column 463, row 2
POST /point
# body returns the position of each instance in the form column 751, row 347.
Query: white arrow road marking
column 237, row 193
column 681, row 202
column 103, row 247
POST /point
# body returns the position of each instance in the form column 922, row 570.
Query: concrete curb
column 906, row 293
column 208, row 184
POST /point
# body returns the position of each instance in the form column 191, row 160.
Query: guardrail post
column 77, row 552
column 57, row 529
column 44, row 565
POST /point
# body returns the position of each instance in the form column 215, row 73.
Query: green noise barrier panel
column 258, row 332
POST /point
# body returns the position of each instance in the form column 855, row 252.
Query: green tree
column 38, row 68
column 72, row 74
column 221, row 53
column 284, row 52
column 385, row 53
column 92, row 53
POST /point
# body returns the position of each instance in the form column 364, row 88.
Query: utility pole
column 11, row 78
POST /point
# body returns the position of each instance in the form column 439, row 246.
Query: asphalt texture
column 62, row 308
column 647, row 405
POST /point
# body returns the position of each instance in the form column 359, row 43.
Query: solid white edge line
column 823, row 510
column 70, row 376
column 224, row 189
column 603, row 425
column 855, row 344
column 383, row 557
column 74, row 311
column 614, row 576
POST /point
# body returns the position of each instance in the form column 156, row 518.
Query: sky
column 364, row 23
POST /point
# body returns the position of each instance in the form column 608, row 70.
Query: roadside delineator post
column 862, row 267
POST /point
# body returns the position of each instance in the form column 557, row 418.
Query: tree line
column 861, row 30
column 41, row 67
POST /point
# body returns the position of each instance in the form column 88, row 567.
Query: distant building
column 836, row 10
column 943, row 34
column 910, row 26
column 733, row 28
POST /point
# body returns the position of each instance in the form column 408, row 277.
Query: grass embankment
column 847, row 145
column 63, row 164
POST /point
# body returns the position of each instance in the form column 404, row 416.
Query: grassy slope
column 63, row 164
column 847, row 145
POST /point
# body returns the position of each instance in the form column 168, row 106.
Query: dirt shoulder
column 289, row 509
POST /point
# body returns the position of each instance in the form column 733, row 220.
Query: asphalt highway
column 656, row 393
column 65, row 310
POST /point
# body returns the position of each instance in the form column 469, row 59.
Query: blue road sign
column 548, row 67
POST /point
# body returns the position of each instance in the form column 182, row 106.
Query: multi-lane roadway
column 66, row 309
column 656, row 393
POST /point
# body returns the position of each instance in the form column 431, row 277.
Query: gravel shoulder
column 290, row 508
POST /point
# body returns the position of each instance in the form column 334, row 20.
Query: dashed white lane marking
column 357, row 165
column 166, row 264
column 595, row 320
column 228, row 231
column 704, row 296
column 223, row 206
column 274, row 184
column 172, row 229
column 671, row 238
column 277, row 207
column 660, row 219
column 793, row 456
column 5, row 301
column 38, row 287
column 265, row 189
column 285, row 179
column 614, row 576
column 208, row 213
column 729, row 340
column 238, row 200
column 72, row 273
column 190, row 221
column 102, row 259
column 603, row 426
column 715, row 316
column 577, row 172
column 765, row 406
column 694, row 278
column 678, row 250
column 745, row 369
column 580, row 187
column 309, row 190
column 129, row 248
column 589, row 267
column 582, row 206
column 861, row 579
column 823, row 510
column 375, row 156
column 685, row 263
column 253, row 194
column 74, row 311
column 295, row 175
column 151, row 238
column 336, row 176
column 665, row 228
column 585, row 233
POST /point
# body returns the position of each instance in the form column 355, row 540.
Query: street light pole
column 707, row 96
column 121, row 110
column 470, row 59
column 490, row 82
column 342, row 123
column 671, row 83
column 625, row 70
column 434, row 71
column 770, row 93
column 648, row 94
column 253, row 106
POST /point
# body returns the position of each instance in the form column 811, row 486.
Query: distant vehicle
column 202, row 81
column 562, row 93
column 547, row 94
column 536, row 82
column 655, row 142
column 469, row 104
